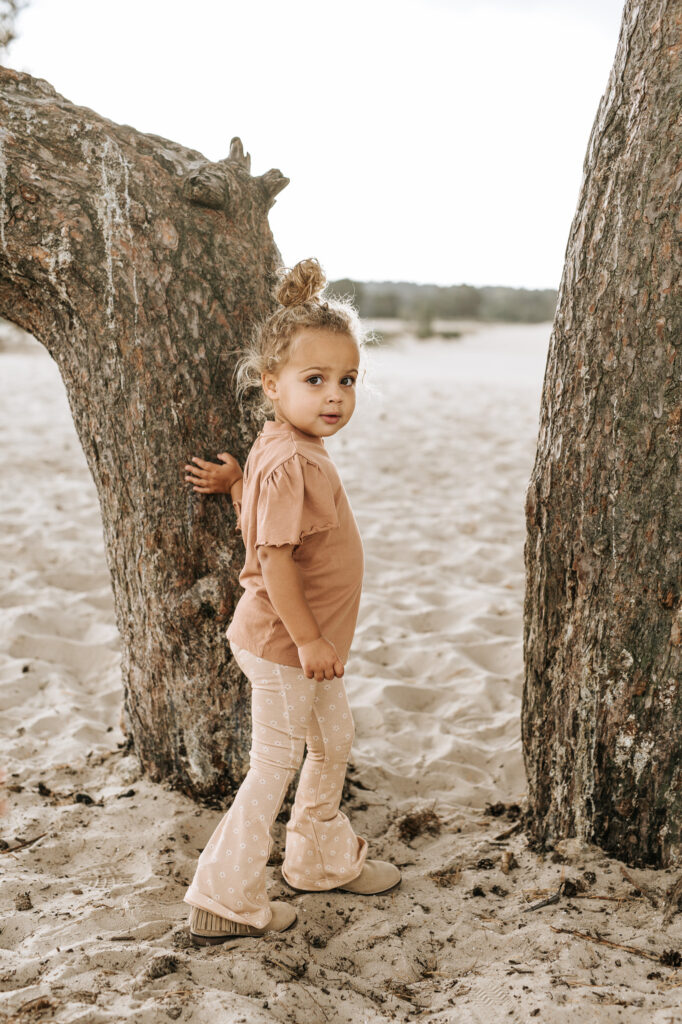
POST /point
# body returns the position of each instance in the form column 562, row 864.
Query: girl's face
column 315, row 389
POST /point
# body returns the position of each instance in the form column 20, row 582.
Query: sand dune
column 436, row 463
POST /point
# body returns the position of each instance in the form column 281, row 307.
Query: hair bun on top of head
column 302, row 283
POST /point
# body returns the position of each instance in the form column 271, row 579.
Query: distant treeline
column 422, row 303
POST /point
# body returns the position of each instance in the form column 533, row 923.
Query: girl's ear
column 269, row 384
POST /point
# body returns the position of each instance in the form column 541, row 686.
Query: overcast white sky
column 426, row 140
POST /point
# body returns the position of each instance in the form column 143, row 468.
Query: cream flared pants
column 322, row 851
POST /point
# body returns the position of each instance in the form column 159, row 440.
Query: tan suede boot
column 207, row 929
column 376, row 876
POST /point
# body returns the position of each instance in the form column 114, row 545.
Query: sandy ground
column 95, row 858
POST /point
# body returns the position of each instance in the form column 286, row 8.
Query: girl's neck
column 283, row 426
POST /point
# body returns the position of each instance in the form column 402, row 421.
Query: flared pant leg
column 322, row 850
column 230, row 878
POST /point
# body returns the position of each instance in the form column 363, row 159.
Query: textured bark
column 140, row 266
column 602, row 703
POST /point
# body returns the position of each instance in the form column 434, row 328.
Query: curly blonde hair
column 300, row 305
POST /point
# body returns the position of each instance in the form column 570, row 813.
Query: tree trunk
column 602, row 704
column 141, row 266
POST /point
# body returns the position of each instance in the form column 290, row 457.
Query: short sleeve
column 295, row 501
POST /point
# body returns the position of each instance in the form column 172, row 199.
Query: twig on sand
column 673, row 898
column 623, row 898
column 516, row 827
column 607, row 942
column 295, row 972
column 646, row 890
column 672, row 901
column 309, row 993
column 26, row 842
column 551, row 899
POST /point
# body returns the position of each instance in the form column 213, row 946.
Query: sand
column 93, row 928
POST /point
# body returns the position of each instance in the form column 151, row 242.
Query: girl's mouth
column 331, row 417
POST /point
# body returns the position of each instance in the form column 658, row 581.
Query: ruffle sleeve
column 295, row 501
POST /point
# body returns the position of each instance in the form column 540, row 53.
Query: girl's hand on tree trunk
column 210, row 478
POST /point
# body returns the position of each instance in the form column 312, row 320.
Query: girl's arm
column 236, row 492
column 285, row 590
column 284, row 585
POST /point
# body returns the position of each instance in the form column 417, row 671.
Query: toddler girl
column 293, row 625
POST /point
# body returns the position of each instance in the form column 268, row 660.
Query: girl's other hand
column 210, row 478
column 319, row 659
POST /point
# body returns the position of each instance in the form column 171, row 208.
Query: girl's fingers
column 202, row 462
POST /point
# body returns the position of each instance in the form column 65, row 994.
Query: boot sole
column 216, row 940
column 339, row 888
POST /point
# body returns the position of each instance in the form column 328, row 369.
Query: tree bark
column 602, row 703
column 141, row 266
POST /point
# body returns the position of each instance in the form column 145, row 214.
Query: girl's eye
column 317, row 376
